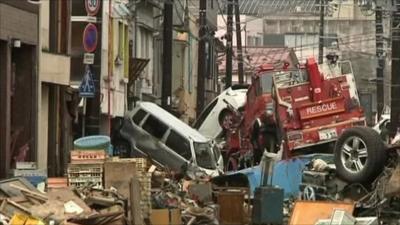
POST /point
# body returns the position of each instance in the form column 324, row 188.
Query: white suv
column 150, row 131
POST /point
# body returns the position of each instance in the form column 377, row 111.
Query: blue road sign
column 87, row 89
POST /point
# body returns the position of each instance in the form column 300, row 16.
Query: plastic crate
column 30, row 173
column 86, row 180
column 82, row 181
column 87, row 156
column 85, row 168
column 142, row 164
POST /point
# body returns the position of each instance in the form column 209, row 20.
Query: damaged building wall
column 18, row 76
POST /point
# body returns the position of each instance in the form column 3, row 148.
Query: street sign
column 92, row 7
column 88, row 58
column 87, row 88
column 90, row 35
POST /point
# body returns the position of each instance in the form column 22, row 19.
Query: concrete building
column 147, row 54
column 19, row 82
column 109, row 69
column 115, row 59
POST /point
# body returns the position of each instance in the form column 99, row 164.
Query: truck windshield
column 266, row 83
column 204, row 156
column 290, row 78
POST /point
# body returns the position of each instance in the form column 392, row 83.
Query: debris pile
column 132, row 191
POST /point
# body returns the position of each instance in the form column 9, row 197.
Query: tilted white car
column 210, row 120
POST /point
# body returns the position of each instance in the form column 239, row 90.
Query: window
column 138, row 117
column 274, row 40
column 121, row 41
column 126, row 51
column 204, row 114
column 154, row 127
column 59, row 26
column 266, row 83
column 179, row 144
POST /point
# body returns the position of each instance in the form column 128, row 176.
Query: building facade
column 55, row 94
column 147, row 53
column 19, row 82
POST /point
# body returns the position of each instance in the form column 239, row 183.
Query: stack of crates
column 87, row 161
column 145, row 190
column 144, row 177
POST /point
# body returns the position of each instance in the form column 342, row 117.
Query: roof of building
column 257, row 56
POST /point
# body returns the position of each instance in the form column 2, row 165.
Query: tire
column 359, row 155
column 225, row 118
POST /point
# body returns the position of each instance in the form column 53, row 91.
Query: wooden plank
column 33, row 194
column 135, row 195
column 309, row 212
column 119, row 175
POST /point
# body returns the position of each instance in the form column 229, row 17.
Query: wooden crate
column 231, row 207
column 118, row 175
column 142, row 164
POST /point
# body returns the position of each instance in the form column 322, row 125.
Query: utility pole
column 239, row 43
column 381, row 59
column 321, row 31
column 395, row 85
column 201, row 70
column 167, row 56
column 228, row 65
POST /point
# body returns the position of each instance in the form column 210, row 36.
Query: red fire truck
column 298, row 110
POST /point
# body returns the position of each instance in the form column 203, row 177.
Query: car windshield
column 204, row 156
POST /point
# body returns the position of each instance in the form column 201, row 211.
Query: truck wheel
column 359, row 155
column 225, row 119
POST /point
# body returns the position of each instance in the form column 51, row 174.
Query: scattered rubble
column 132, row 191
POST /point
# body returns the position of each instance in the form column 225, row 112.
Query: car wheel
column 122, row 149
column 225, row 119
column 359, row 155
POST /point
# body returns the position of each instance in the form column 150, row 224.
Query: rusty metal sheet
column 309, row 212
